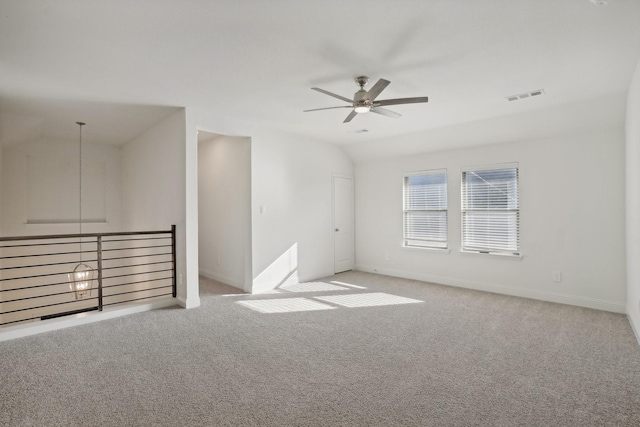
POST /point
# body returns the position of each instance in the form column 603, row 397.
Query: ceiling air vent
column 525, row 95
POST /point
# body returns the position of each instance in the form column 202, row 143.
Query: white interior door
column 343, row 240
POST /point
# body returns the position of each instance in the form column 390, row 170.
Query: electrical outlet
column 218, row 261
column 557, row 276
column 386, row 256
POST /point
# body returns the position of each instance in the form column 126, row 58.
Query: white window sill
column 420, row 248
column 494, row 254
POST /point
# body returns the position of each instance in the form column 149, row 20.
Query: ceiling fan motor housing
column 361, row 101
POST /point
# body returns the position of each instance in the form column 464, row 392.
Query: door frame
column 333, row 216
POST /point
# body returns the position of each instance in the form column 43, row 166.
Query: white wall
column 154, row 190
column 291, row 207
column 40, row 188
column 1, row 198
column 572, row 221
column 633, row 202
column 224, row 208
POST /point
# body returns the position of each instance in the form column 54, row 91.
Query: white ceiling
column 251, row 64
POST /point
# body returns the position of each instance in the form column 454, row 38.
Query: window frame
column 428, row 244
column 511, row 211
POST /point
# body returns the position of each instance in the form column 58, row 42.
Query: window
column 490, row 210
column 425, row 209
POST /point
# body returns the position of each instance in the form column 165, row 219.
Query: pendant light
column 82, row 277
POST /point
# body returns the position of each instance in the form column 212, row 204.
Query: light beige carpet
column 355, row 349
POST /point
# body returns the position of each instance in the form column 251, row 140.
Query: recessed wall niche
column 53, row 190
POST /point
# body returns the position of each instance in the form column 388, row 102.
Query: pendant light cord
column 80, row 124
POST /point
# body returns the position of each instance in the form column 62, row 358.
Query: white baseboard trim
column 221, row 278
column 33, row 328
column 500, row 289
column 634, row 326
column 188, row 303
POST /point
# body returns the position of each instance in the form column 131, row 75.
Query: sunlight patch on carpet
column 284, row 305
column 313, row 287
column 348, row 284
column 367, row 300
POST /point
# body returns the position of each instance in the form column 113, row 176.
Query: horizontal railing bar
column 68, row 313
column 139, row 290
column 37, row 296
column 66, row 282
column 35, row 286
column 137, row 299
column 93, row 239
column 136, row 247
column 136, row 240
column 134, row 265
column 33, row 277
column 27, row 319
column 48, row 254
column 135, row 256
column 135, row 274
column 135, row 283
column 48, row 265
column 76, row 262
column 75, row 242
column 74, row 236
column 134, row 233
column 48, row 305
column 20, row 320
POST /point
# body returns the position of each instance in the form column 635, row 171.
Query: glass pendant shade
column 81, row 281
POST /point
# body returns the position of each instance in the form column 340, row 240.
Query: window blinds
column 490, row 210
column 425, row 210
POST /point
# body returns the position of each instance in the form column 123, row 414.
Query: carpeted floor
column 355, row 349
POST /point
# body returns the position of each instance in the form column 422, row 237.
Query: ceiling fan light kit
column 364, row 101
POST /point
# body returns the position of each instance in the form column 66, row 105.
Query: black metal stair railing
column 130, row 266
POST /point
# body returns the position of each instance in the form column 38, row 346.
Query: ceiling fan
column 365, row 100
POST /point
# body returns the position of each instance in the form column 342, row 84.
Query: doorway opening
column 224, row 209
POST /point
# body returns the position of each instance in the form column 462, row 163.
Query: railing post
column 173, row 257
column 99, row 256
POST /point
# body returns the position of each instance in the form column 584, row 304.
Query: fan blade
column 350, row 101
column 328, row 108
column 401, row 101
column 377, row 88
column 350, row 116
column 385, row 112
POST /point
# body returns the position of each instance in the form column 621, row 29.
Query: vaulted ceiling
column 122, row 65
